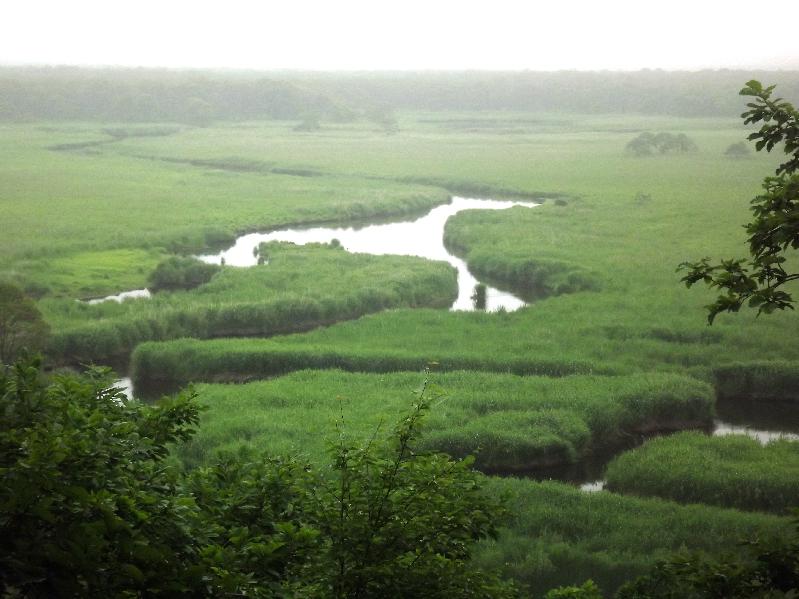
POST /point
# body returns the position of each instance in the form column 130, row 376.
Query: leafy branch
column 757, row 281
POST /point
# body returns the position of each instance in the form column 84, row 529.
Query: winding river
column 424, row 237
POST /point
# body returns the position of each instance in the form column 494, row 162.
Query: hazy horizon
column 355, row 35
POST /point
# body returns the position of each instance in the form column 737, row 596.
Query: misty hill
column 160, row 95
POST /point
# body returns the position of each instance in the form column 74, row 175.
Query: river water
column 423, row 237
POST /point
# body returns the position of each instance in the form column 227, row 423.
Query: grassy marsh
column 300, row 288
column 510, row 423
column 561, row 535
column 730, row 471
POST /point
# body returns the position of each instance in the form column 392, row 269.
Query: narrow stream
column 762, row 421
column 423, row 237
column 122, row 296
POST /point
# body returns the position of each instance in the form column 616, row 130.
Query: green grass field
column 508, row 422
column 300, row 288
column 82, row 220
column 634, row 314
column 559, row 535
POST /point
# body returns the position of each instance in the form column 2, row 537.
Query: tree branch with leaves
column 759, row 281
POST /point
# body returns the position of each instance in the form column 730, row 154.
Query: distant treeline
column 57, row 93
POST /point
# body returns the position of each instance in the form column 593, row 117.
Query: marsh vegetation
column 591, row 347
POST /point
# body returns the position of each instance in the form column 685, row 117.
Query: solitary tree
column 759, row 281
column 21, row 323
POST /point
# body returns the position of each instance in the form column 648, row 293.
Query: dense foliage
column 738, row 150
column 768, row 569
column 774, row 231
column 21, row 324
column 89, row 508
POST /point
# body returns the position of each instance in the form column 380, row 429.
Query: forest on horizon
column 203, row 96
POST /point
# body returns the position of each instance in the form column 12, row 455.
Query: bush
column 179, row 272
column 648, row 143
column 560, row 535
column 21, row 324
column 769, row 569
column 738, row 150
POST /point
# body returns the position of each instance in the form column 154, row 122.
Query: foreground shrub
column 88, row 507
column 731, row 471
column 769, row 569
column 21, row 323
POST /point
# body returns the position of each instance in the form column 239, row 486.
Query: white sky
column 402, row 34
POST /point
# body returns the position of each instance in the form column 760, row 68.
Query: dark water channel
column 764, row 421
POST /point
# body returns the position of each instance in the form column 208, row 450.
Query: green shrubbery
column 21, row 325
column 768, row 569
column 731, row 471
column 647, row 143
column 181, row 272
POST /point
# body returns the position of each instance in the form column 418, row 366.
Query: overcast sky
column 402, row 34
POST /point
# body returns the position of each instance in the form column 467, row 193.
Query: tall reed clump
column 527, row 423
column 730, row 471
column 181, row 272
column 758, row 380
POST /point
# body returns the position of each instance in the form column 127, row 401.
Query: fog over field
column 409, row 35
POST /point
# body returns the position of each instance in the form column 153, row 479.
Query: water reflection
column 119, row 297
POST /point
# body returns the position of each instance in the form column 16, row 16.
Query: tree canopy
column 759, row 281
